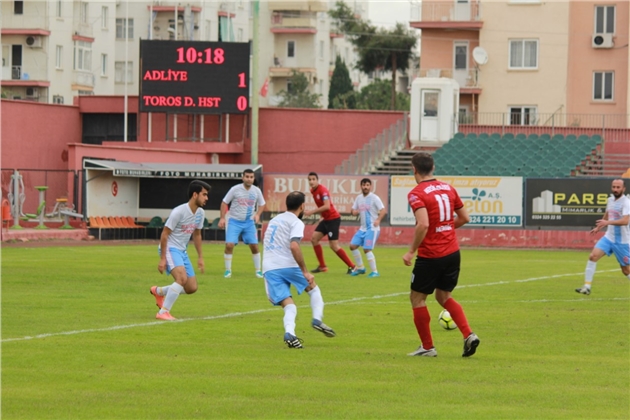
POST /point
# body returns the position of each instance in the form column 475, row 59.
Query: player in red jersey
column 438, row 259
column 328, row 225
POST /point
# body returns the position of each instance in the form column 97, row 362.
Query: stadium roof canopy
column 170, row 170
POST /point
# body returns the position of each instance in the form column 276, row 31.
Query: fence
column 611, row 127
column 380, row 148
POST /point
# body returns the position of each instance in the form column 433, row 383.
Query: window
column 59, row 57
column 603, row 84
column 289, row 86
column 82, row 55
column 522, row 115
column 103, row 64
column 18, row 7
column 57, row 99
column 121, row 73
column 84, row 7
column 59, row 8
column 523, row 53
column 605, row 19
column 122, row 29
column 290, row 49
column 104, row 16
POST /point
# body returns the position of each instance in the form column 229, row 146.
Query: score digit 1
column 241, row 80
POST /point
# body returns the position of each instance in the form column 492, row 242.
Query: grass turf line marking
column 234, row 314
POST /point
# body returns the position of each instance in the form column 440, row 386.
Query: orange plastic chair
column 103, row 221
column 132, row 223
column 93, row 222
column 119, row 222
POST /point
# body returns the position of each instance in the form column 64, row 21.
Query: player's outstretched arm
column 166, row 232
column 422, row 227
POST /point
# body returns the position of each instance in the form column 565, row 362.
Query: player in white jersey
column 185, row 220
column 246, row 205
column 371, row 209
column 283, row 266
column 617, row 238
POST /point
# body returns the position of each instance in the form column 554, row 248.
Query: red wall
column 305, row 140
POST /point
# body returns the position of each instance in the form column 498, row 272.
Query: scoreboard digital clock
column 194, row 77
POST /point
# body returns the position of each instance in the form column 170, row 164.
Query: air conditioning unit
column 34, row 41
column 31, row 92
column 602, row 41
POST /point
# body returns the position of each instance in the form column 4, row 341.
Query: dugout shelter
column 146, row 190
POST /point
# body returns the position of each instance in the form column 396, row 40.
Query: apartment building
column 53, row 50
column 537, row 59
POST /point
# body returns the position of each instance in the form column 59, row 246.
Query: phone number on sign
column 495, row 220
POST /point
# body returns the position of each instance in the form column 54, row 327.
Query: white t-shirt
column 617, row 209
column 183, row 223
column 277, row 243
column 243, row 201
column 368, row 206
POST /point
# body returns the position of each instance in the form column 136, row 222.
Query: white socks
column 290, row 312
column 317, row 303
column 256, row 258
column 356, row 253
column 372, row 261
column 174, row 291
column 589, row 273
column 227, row 258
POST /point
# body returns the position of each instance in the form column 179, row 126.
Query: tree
column 376, row 96
column 298, row 95
column 379, row 48
column 340, row 84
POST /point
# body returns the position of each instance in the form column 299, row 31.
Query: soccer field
column 79, row 340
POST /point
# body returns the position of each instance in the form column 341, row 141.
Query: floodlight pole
column 126, row 113
column 255, row 27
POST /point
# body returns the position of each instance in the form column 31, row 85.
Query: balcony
column 293, row 23
column 82, row 80
column 468, row 79
column 305, row 5
column 447, row 15
column 286, row 72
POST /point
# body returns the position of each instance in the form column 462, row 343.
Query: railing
column 466, row 78
column 612, row 127
column 293, row 20
column 378, row 149
column 443, row 11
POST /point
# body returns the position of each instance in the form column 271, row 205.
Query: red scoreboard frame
column 194, row 77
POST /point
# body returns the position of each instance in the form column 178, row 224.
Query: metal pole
column 201, row 127
column 150, row 119
column 175, row 115
column 227, row 128
column 255, row 40
column 126, row 116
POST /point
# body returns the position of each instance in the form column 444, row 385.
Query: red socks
column 344, row 257
column 422, row 318
column 457, row 313
column 319, row 252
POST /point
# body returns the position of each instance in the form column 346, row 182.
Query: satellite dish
column 480, row 56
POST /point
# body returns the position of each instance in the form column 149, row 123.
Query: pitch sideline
column 235, row 314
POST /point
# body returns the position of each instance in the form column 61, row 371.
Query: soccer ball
column 446, row 321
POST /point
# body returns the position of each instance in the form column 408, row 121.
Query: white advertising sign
column 490, row 201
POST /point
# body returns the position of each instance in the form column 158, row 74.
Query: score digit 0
column 191, row 55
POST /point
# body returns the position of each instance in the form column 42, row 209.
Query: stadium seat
column 459, row 135
column 532, row 136
column 471, row 136
column 558, row 137
column 495, row 136
column 521, row 136
column 544, row 137
column 571, row 137
column 508, row 136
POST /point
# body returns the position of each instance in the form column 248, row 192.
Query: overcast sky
column 388, row 12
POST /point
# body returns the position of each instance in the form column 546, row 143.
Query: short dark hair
column 313, row 174
column 423, row 163
column 196, row 186
column 366, row 181
column 294, row 200
column 248, row 171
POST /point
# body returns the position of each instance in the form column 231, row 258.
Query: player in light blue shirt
column 617, row 238
column 283, row 266
column 371, row 209
column 184, row 221
column 246, row 204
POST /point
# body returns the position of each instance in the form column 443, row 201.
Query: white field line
column 339, row 302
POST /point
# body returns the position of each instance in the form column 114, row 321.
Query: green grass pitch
column 80, row 341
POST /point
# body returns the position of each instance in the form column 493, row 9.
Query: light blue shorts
column 621, row 251
column 178, row 258
column 365, row 238
column 278, row 283
column 236, row 228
